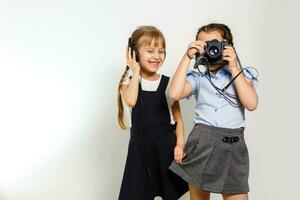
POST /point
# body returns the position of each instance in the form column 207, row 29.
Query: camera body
column 213, row 53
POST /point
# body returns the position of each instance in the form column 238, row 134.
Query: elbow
column 173, row 96
column 131, row 103
column 251, row 106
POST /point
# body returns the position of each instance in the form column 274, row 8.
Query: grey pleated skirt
column 216, row 160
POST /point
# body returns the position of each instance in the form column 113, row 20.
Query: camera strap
column 227, row 96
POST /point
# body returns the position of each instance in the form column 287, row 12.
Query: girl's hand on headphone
column 131, row 61
column 195, row 47
column 230, row 55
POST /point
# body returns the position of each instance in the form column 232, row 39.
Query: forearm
column 180, row 133
column 245, row 90
column 131, row 92
column 178, row 82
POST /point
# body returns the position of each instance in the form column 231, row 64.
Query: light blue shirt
column 211, row 107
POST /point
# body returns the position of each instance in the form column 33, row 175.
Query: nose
column 156, row 55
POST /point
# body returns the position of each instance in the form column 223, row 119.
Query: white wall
column 60, row 63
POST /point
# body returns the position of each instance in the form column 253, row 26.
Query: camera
column 212, row 53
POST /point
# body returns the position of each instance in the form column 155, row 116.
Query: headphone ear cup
column 137, row 57
column 131, row 45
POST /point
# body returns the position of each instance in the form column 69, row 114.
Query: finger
column 229, row 58
column 180, row 158
column 176, row 156
column 201, row 43
column 201, row 47
column 229, row 47
column 226, row 58
column 176, row 159
column 197, row 48
column 134, row 56
column 198, row 43
column 227, row 54
column 228, row 51
column 224, row 55
column 129, row 54
column 194, row 48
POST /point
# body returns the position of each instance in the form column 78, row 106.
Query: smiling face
column 152, row 55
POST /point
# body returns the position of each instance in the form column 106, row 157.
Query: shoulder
column 193, row 77
column 165, row 77
column 193, row 74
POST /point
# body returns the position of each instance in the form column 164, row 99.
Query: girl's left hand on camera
column 230, row 55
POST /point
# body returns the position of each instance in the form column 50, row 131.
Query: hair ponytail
column 120, row 102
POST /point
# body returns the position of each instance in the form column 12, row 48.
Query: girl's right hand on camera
column 131, row 61
column 195, row 47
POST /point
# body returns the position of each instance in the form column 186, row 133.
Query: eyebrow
column 159, row 48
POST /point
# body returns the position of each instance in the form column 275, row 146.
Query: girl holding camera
column 216, row 157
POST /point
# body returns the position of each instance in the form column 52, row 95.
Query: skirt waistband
column 220, row 130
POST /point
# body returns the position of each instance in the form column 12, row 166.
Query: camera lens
column 213, row 51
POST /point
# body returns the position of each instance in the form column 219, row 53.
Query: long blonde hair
column 142, row 35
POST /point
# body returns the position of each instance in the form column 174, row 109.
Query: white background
column 60, row 63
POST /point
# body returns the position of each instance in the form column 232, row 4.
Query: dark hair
column 221, row 28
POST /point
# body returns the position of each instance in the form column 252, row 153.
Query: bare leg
column 197, row 194
column 235, row 196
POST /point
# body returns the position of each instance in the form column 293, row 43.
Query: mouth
column 154, row 63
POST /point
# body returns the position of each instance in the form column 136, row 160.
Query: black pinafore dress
column 150, row 150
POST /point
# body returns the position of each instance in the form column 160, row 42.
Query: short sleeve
column 194, row 79
column 250, row 74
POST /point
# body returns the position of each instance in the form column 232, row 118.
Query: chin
column 153, row 69
column 214, row 67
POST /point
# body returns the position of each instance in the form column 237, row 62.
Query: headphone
column 132, row 46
